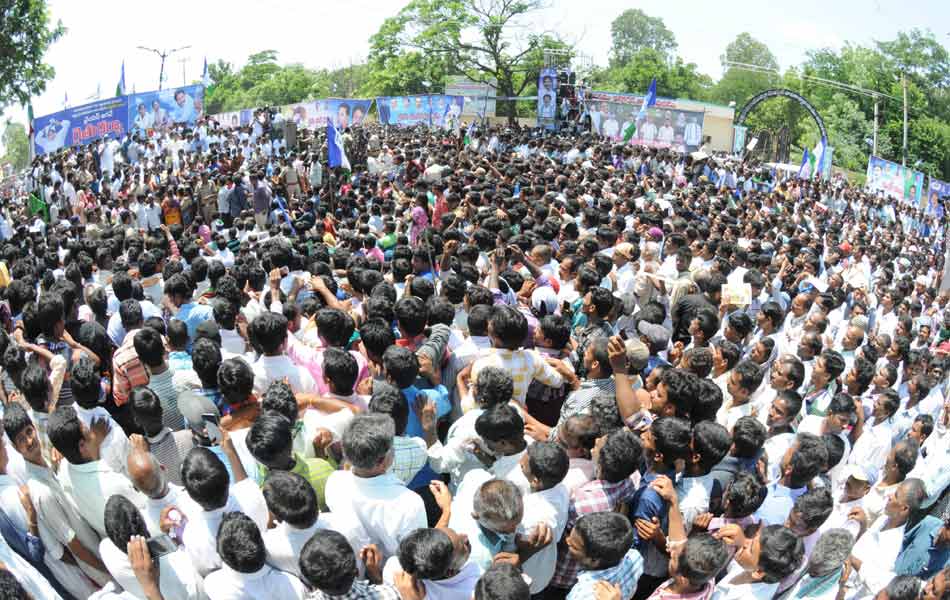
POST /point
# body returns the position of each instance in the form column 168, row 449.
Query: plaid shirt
column 625, row 574
column 129, row 370
column 409, row 455
column 524, row 366
column 592, row 497
column 361, row 590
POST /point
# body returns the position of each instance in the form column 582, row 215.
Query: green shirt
column 315, row 470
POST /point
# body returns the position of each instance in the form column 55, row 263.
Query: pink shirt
column 312, row 360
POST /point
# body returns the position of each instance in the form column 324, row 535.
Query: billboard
column 80, row 125
column 432, row 109
column 665, row 126
column 938, row 193
column 895, row 181
column 161, row 109
column 231, row 120
column 479, row 97
column 342, row 112
column 547, row 95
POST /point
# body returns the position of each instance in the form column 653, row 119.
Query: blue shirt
column 625, row 574
column 646, row 504
column 438, row 394
column 919, row 555
column 193, row 315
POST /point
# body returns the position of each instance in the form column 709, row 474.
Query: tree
column 674, row 78
column 26, row 35
column 634, row 31
column 262, row 81
column 17, row 145
column 476, row 38
column 738, row 84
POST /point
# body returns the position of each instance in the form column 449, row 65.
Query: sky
column 334, row 34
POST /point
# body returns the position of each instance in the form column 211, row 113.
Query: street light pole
column 875, row 126
column 904, row 146
column 163, row 55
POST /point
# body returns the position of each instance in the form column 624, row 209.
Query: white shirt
column 269, row 369
column 174, row 496
column 877, row 550
column 873, row 445
column 114, row 450
column 549, row 507
column 200, row 536
column 228, row 584
column 458, row 587
column 694, row 494
column 177, row 578
column 284, row 542
column 743, row 591
column 31, row 579
column 931, row 467
column 91, row 485
column 387, row 510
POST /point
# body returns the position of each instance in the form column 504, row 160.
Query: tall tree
column 17, row 145
column 674, row 78
column 477, row 38
column 739, row 84
column 27, row 32
column 633, row 31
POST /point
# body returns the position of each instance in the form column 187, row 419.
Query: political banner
column 895, row 181
column 342, row 112
column 547, row 95
column 479, row 97
column 938, row 193
column 738, row 138
column 229, row 120
column 80, row 125
column 429, row 109
column 665, row 125
column 161, row 109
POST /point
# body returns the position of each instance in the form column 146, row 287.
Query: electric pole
column 904, row 146
column 163, row 54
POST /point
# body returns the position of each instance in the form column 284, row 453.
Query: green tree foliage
column 25, row 34
column 739, row 84
column 634, row 31
column 480, row 39
column 16, row 144
column 674, row 78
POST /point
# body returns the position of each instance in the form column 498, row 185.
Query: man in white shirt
column 210, row 497
column 292, row 504
column 269, row 330
column 176, row 576
column 244, row 572
column 872, row 558
column 377, row 498
column 875, row 441
column 86, row 478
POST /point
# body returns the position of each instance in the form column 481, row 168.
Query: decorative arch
column 782, row 93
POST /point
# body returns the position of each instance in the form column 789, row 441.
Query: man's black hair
column 291, row 499
column 341, row 369
column 509, row 326
column 411, row 315
column 205, row 478
column 748, row 437
column 548, row 462
column 268, row 332
column 335, row 326
column 500, row 423
column 150, row 347
column 401, row 365
column 607, row 537
column 240, row 544
column 327, row 563
column 619, row 456
column 205, row 360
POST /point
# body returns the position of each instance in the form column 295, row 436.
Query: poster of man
column 547, row 94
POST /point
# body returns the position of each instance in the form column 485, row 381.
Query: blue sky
column 334, row 34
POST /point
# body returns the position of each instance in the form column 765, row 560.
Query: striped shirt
column 625, row 574
column 129, row 370
column 579, row 401
column 170, row 448
column 524, row 365
column 161, row 384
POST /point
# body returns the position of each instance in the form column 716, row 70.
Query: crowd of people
column 527, row 365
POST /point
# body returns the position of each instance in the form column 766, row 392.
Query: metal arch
column 782, row 93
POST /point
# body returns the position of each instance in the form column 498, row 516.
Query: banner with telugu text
column 80, row 125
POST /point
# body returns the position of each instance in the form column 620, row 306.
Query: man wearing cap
column 624, row 274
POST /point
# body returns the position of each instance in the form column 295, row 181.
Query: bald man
column 150, row 478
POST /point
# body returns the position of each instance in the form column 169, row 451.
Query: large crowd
column 507, row 365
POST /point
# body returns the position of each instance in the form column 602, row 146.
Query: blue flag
column 648, row 100
column 205, row 76
column 335, row 148
column 801, row 170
